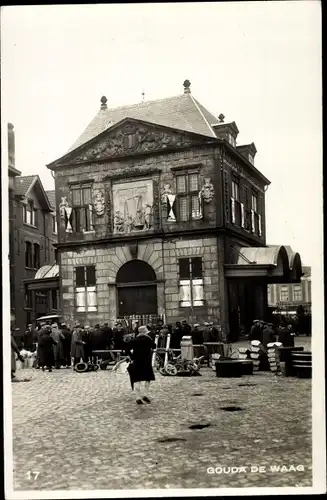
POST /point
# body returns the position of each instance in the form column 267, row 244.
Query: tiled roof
column 52, row 198
column 181, row 112
column 23, row 183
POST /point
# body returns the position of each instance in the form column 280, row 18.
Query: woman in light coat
column 77, row 348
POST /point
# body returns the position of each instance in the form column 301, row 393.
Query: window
column 235, row 190
column 30, row 214
column 297, row 293
column 255, row 215
column 268, row 294
column 28, row 254
column 188, row 200
column 191, row 282
column 86, row 298
column 54, row 299
column 36, row 256
column 231, row 139
column 284, row 294
column 54, row 224
column 255, row 202
column 236, row 206
column 82, row 213
column 28, row 299
column 56, row 255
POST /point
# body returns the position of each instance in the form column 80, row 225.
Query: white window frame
column 54, row 224
column 242, row 215
column 284, row 289
column 191, row 291
column 233, row 210
column 297, row 289
column 86, row 295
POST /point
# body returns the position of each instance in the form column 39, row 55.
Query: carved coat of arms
column 207, row 191
column 165, row 192
column 62, row 207
column 99, row 203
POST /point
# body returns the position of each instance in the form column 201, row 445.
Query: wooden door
column 137, row 300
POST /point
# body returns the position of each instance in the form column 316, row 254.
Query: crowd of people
column 282, row 331
column 57, row 346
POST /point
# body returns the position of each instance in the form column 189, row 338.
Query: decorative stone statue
column 118, row 222
column 62, row 207
column 99, row 203
column 148, row 216
column 207, row 191
column 165, row 192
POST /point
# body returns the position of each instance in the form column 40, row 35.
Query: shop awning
column 46, row 278
column 276, row 263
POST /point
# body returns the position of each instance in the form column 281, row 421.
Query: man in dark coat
column 268, row 334
column 256, row 331
column 118, row 336
column 285, row 336
column 186, row 328
column 28, row 338
column 66, row 344
column 197, row 334
column 45, row 349
column 140, row 369
column 176, row 337
column 106, row 335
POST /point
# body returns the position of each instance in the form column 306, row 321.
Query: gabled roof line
column 37, row 178
column 204, row 118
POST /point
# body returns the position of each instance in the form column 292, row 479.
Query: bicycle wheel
column 170, row 369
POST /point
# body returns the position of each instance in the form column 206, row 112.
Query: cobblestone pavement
column 85, row 431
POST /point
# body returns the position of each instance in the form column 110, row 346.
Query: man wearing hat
column 140, row 369
column 66, row 343
column 256, row 330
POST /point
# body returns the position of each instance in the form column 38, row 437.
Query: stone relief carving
column 99, row 203
column 133, row 206
column 207, row 192
column 143, row 140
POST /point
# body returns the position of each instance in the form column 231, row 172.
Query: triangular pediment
column 131, row 137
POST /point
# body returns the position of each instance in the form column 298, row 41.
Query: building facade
column 33, row 234
column 156, row 204
column 289, row 296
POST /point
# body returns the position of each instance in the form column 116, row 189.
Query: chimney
column 103, row 102
column 187, row 85
column 11, row 145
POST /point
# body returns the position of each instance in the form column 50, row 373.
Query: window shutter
column 196, row 264
column 252, row 221
column 90, row 276
column 242, row 215
column 80, row 277
column 259, row 224
column 233, row 210
column 184, row 269
column 91, row 217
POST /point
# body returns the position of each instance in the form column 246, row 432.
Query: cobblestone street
column 85, row 431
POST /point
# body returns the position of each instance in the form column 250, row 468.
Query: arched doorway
column 136, row 289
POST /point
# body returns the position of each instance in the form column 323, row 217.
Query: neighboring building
column 289, row 296
column 31, row 239
column 161, row 213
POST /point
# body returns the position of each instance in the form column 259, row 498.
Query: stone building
column 158, row 209
column 287, row 297
column 32, row 235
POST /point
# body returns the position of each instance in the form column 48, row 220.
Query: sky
column 258, row 63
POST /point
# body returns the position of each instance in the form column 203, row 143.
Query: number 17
column 32, row 475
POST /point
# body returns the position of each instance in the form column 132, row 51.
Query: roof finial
column 221, row 118
column 187, row 85
column 143, row 95
column 103, row 102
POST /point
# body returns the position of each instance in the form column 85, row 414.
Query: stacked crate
column 256, row 353
column 273, row 357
